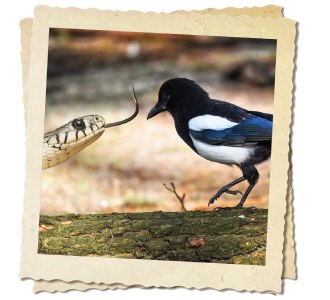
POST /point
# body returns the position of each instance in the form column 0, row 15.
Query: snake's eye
column 78, row 124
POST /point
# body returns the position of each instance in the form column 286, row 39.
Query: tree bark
column 226, row 236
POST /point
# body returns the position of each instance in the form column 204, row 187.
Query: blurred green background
column 89, row 72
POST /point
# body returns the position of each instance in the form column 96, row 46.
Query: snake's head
column 69, row 139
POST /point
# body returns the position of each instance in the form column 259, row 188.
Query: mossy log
column 225, row 236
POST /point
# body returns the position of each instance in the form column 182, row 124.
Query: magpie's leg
column 252, row 177
column 226, row 188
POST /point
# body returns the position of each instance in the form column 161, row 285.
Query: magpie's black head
column 177, row 93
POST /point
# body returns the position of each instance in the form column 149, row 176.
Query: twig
column 173, row 190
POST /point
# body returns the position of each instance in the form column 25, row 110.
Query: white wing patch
column 223, row 154
column 210, row 122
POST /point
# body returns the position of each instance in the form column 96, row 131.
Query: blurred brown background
column 89, row 72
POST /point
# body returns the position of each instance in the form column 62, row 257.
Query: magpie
column 217, row 130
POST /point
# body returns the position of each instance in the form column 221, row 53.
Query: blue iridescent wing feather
column 250, row 131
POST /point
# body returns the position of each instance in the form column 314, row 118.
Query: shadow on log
column 235, row 236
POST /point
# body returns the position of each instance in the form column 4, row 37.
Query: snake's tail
column 129, row 118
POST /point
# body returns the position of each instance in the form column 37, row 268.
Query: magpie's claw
column 219, row 208
column 220, row 192
column 212, row 200
column 239, row 205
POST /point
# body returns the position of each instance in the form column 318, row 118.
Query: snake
column 64, row 142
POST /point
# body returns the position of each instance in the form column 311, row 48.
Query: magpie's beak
column 158, row 108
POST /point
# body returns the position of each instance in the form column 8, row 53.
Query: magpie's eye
column 78, row 124
column 166, row 97
column 96, row 118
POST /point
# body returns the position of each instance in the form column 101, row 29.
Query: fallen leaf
column 43, row 227
column 196, row 242
column 66, row 222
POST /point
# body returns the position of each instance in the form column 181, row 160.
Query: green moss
column 156, row 245
column 162, row 230
column 142, row 235
column 226, row 236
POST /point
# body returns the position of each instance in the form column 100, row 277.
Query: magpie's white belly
column 223, row 154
